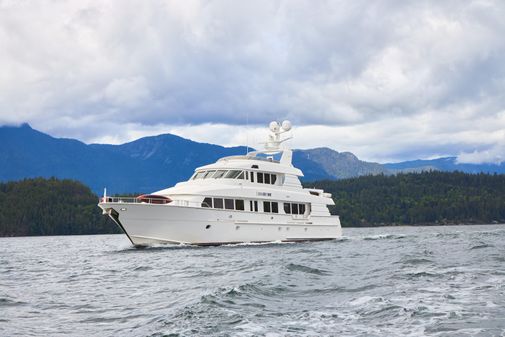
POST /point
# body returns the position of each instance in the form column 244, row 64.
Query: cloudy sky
column 386, row 80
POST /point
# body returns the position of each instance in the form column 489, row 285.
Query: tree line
column 50, row 207
column 427, row 198
column 59, row 207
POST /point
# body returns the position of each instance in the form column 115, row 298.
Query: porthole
column 207, row 227
column 280, row 228
column 237, row 227
column 305, row 228
column 287, row 228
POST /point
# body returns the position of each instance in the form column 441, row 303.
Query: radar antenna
column 273, row 144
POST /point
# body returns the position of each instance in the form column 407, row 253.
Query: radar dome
column 274, row 126
column 286, row 125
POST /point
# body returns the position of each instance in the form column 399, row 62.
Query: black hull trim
column 115, row 217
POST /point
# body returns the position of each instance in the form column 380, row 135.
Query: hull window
column 228, row 204
column 287, row 208
column 301, row 208
column 275, row 207
column 239, row 205
column 207, row 202
column 294, row 208
column 266, row 206
column 218, row 203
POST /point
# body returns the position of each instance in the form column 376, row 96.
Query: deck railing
column 131, row 200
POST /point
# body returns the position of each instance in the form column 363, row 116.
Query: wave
column 8, row 302
column 308, row 270
column 481, row 246
column 385, row 237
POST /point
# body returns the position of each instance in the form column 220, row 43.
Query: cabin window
column 228, row 204
column 239, row 205
column 260, row 177
column 252, row 177
column 232, row 174
column 266, row 206
column 301, row 208
column 255, row 166
column 267, row 178
column 219, row 174
column 314, row 193
column 241, row 175
column 199, row 175
column 207, row 202
column 246, row 175
column 294, row 208
column 274, row 179
column 209, row 174
column 256, row 206
column 287, row 208
column 275, row 207
column 218, row 203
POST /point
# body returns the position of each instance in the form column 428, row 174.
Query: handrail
column 132, row 200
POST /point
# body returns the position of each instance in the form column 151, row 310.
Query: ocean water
column 403, row 281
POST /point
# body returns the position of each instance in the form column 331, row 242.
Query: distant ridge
column 151, row 163
column 447, row 164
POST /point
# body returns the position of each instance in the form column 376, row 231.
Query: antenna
column 272, row 145
column 247, row 131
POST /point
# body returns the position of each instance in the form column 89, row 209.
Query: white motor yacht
column 248, row 198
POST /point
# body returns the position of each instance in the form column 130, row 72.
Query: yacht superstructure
column 249, row 198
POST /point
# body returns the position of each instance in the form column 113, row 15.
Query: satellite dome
column 274, row 126
column 286, row 125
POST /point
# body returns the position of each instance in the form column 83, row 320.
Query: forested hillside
column 50, row 207
column 58, row 207
column 418, row 198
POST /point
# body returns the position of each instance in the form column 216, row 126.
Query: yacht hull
column 147, row 224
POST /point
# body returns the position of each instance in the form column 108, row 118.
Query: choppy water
column 439, row 281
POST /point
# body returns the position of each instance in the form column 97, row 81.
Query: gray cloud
column 113, row 70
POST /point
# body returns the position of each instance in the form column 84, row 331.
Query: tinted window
column 255, row 206
column 294, row 208
column 252, row 176
column 232, row 174
column 241, row 175
column 228, row 203
column 287, row 208
column 266, row 206
column 260, row 177
column 199, row 175
column 302, row 208
column 246, row 175
column 267, row 178
column 219, row 174
column 218, row 203
column 274, row 179
column 207, row 202
column 239, row 205
column 275, row 207
column 209, row 174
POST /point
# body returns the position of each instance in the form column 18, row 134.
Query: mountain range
column 151, row 163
